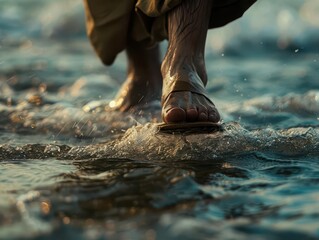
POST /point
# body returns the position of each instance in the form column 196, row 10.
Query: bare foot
column 144, row 81
column 184, row 97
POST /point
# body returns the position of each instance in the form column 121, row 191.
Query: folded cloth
column 112, row 23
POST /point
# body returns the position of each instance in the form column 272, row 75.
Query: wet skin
column 184, row 59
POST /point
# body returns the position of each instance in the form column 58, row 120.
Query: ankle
column 182, row 64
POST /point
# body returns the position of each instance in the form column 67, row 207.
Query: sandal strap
column 192, row 85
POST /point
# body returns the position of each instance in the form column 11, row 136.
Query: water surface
column 70, row 169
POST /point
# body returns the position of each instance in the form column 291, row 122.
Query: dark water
column 71, row 170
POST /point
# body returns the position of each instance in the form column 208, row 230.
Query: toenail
column 175, row 115
column 193, row 110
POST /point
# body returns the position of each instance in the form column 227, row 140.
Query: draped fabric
column 111, row 24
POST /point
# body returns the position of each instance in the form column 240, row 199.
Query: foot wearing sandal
column 184, row 97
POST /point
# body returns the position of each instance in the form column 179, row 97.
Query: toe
column 202, row 113
column 213, row 116
column 191, row 114
column 202, row 117
column 174, row 115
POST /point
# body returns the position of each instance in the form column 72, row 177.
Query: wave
column 145, row 143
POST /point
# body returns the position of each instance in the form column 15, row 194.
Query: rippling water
column 69, row 169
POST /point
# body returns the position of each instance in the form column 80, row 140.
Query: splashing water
column 70, row 169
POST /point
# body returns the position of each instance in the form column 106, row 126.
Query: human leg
column 184, row 96
column 144, row 80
